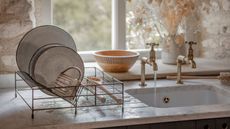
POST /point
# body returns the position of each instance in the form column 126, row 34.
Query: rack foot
column 75, row 111
column 32, row 115
column 15, row 85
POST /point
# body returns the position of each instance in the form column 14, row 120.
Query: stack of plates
column 45, row 52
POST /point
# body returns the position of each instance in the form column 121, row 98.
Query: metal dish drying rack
column 90, row 94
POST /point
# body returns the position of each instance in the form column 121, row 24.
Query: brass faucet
column 151, row 61
column 182, row 60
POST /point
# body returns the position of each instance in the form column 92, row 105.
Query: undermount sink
column 181, row 96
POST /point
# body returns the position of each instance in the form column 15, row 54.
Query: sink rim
column 214, row 88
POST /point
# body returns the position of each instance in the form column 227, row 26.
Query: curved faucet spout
column 151, row 61
column 182, row 59
column 154, row 65
column 193, row 64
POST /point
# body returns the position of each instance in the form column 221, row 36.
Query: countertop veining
column 14, row 110
column 204, row 67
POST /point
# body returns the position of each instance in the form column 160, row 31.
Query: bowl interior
column 116, row 53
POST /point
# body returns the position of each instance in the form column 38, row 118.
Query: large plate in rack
column 52, row 62
column 38, row 37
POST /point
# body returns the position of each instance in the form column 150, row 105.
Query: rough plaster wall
column 192, row 31
column 215, row 15
column 16, row 18
column 43, row 12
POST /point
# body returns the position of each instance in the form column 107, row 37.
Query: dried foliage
column 166, row 16
column 171, row 12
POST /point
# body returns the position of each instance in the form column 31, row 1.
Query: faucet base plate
column 142, row 85
column 179, row 82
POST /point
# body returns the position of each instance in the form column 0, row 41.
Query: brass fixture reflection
column 151, row 61
column 182, row 60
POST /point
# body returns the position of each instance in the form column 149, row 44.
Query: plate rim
column 33, row 29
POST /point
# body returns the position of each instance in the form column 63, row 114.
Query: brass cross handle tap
column 152, row 45
column 182, row 59
column 150, row 61
column 152, row 54
column 190, row 53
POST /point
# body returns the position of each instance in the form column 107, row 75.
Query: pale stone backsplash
column 216, row 30
column 18, row 16
column 17, row 27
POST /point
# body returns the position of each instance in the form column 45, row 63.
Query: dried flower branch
column 150, row 18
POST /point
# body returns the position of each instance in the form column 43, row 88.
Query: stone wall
column 215, row 17
column 209, row 25
column 16, row 18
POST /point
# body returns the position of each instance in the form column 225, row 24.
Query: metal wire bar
column 23, row 99
column 107, row 80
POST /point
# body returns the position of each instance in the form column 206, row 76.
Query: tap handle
column 190, row 43
column 152, row 45
column 190, row 50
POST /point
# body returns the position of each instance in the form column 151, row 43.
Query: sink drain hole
column 166, row 99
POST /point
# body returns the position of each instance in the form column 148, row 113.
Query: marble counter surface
column 15, row 114
column 204, row 67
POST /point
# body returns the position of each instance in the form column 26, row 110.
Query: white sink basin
column 181, row 96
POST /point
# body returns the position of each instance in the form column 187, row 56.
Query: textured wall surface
column 215, row 17
column 16, row 18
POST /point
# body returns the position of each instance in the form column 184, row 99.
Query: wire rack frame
column 89, row 94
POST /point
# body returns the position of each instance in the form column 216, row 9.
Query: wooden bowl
column 116, row 60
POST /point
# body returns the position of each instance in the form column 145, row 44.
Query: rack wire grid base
column 89, row 93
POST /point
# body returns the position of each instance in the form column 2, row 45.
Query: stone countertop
column 15, row 114
column 204, row 67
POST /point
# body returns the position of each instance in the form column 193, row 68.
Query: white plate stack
column 47, row 53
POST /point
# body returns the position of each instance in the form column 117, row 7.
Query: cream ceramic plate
column 34, row 60
column 52, row 62
column 37, row 54
column 38, row 37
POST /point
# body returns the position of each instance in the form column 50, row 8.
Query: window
column 141, row 25
column 94, row 24
column 88, row 21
